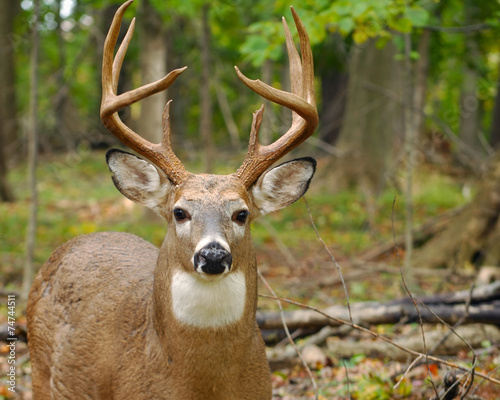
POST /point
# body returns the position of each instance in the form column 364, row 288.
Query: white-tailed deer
column 110, row 316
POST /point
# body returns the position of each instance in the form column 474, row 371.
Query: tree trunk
column 6, row 194
column 32, row 155
column 495, row 124
column 266, row 128
column 471, row 142
column 62, row 102
column 332, row 68
column 473, row 236
column 153, row 58
column 8, row 104
column 227, row 114
column 421, row 72
column 334, row 92
column 371, row 132
column 469, row 129
column 205, row 93
column 410, row 137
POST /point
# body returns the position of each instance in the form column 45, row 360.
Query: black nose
column 213, row 259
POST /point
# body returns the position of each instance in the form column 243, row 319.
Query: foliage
column 383, row 20
column 360, row 20
column 449, row 56
column 244, row 32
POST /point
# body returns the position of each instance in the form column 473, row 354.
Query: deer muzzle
column 213, row 259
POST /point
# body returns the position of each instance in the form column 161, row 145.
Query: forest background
column 408, row 147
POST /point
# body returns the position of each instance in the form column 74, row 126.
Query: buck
column 110, row 316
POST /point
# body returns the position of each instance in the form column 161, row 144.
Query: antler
column 301, row 101
column 160, row 154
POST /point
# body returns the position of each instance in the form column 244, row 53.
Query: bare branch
column 381, row 337
column 459, row 29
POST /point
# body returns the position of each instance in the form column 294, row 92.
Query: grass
column 76, row 196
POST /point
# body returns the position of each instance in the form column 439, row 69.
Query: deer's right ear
column 138, row 180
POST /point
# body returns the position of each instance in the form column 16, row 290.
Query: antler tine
column 160, row 154
column 301, row 101
column 120, row 54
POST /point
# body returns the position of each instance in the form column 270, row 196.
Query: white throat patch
column 206, row 304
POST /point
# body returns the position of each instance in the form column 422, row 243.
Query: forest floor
column 76, row 196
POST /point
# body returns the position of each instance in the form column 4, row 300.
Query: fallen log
column 479, row 295
column 469, row 335
column 438, row 343
column 484, row 307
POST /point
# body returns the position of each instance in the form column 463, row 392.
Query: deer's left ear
column 282, row 185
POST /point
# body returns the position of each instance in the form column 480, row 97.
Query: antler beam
column 301, row 101
column 160, row 154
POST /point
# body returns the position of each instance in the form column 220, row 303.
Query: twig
column 459, row 323
column 286, row 339
column 412, row 299
column 412, row 364
column 452, row 330
column 289, row 257
column 450, row 382
column 325, row 146
column 347, row 377
column 285, row 327
column 480, row 383
column 381, row 337
column 331, row 256
column 471, row 375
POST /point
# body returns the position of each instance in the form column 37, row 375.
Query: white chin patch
column 208, row 303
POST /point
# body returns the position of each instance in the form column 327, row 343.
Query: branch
column 339, row 321
column 290, row 339
column 460, row 29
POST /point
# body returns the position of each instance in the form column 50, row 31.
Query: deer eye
column 240, row 216
column 180, row 215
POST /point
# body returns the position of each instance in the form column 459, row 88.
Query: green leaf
column 344, row 9
column 358, row 8
column 417, row 15
column 381, row 42
column 254, row 48
column 360, row 36
column 493, row 22
column 346, row 25
column 402, row 25
column 414, row 55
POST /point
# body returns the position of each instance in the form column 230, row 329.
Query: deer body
column 110, row 316
column 100, row 347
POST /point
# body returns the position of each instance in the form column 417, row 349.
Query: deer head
column 209, row 215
